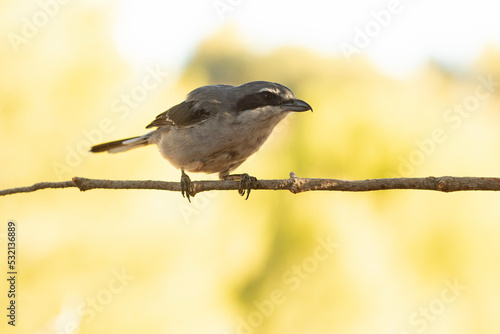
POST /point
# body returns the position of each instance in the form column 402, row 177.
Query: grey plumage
column 217, row 127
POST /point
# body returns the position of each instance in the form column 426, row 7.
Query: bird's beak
column 296, row 105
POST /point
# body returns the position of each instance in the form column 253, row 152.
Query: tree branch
column 294, row 184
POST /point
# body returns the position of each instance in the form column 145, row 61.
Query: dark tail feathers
column 122, row 145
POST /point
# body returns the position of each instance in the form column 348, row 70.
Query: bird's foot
column 247, row 182
column 186, row 185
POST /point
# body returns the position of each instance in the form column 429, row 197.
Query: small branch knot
column 295, row 183
column 441, row 186
column 80, row 183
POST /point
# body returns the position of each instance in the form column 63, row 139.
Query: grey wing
column 182, row 115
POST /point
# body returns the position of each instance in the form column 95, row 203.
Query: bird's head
column 266, row 98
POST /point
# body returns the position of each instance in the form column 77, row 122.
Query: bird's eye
column 268, row 96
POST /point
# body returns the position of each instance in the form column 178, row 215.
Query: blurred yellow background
column 140, row 261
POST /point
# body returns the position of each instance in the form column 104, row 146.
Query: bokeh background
column 399, row 88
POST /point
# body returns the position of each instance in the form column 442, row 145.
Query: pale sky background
column 451, row 32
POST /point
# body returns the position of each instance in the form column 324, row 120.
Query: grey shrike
column 216, row 129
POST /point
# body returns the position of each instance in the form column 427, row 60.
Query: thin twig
column 294, row 184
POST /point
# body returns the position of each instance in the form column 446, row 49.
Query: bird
column 216, row 129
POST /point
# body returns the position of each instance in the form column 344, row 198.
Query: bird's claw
column 186, row 186
column 247, row 182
